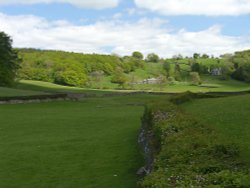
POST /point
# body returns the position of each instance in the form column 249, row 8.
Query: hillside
column 109, row 72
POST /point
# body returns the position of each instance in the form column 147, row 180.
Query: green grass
column 210, row 84
column 55, row 88
column 91, row 143
column 9, row 92
column 213, row 85
column 228, row 116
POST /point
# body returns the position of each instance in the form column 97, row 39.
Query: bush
column 196, row 80
column 71, row 78
column 119, row 78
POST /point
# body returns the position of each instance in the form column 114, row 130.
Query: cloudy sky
column 165, row 27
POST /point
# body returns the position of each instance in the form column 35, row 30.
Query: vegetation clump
column 188, row 153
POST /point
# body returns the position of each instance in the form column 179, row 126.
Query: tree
column 137, row 55
column 71, row 78
column 177, row 71
column 162, row 81
column 119, row 77
column 205, row 56
column 9, row 61
column 154, row 58
column 196, row 56
column 196, row 80
column 167, row 67
column 195, row 67
column 178, row 57
column 97, row 76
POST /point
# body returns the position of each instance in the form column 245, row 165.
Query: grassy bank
column 228, row 116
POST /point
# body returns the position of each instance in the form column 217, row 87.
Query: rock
column 142, row 171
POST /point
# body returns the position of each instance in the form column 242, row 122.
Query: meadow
column 93, row 142
column 210, row 85
column 90, row 143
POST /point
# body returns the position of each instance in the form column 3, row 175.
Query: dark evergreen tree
column 9, row 61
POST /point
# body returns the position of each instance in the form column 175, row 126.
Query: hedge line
column 188, row 154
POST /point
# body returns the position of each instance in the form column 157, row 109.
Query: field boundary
column 179, row 151
column 33, row 98
column 78, row 96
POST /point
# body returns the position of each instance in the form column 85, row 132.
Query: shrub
column 71, row 78
column 196, row 80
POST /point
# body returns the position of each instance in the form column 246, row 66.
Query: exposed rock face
column 145, row 138
column 148, row 141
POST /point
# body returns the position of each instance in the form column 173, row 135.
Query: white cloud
column 96, row 4
column 196, row 7
column 122, row 37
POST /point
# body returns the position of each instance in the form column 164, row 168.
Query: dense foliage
column 9, row 61
column 111, row 71
column 188, row 153
column 72, row 68
column 241, row 62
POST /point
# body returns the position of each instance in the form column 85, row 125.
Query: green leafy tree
column 196, row 56
column 196, row 80
column 138, row 55
column 71, row 78
column 162, row 81
column 97, row 76
column 153, row 58
column 241, row 61
column 167, row 68
column 177, row 72
column 119, row 78
column 196, row 67
column 70, row 74
column 205, row 56
column 9, row 61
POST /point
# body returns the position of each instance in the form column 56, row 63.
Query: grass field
column 210, row 84
column 91, row 143
column 8, row 92
column 228, row 116
column 55, row 88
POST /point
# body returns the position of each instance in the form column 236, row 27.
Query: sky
column 165, row 27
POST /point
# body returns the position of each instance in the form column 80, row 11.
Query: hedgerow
column 188, row 153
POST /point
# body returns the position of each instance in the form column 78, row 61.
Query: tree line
column 77, row 69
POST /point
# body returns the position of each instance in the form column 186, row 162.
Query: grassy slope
column 229, row 116
column 55, row 88
column 210, row 84
column 71, row 144
column 17, row 92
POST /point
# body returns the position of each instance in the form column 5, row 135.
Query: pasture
column 209, row 85
column 90, row 143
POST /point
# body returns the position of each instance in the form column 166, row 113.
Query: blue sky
column 121, row 26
